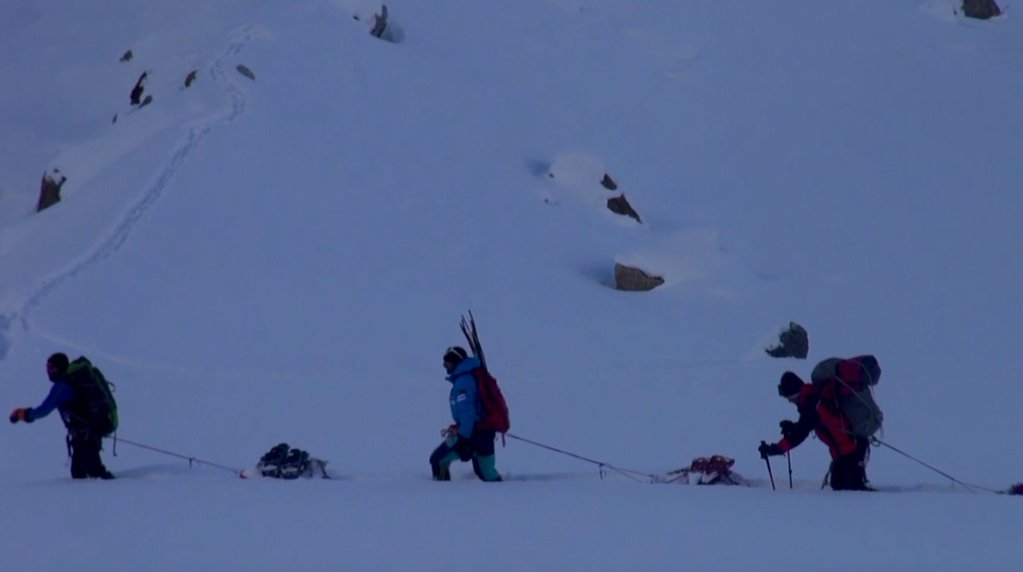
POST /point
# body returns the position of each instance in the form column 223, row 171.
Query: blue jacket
column 60, row 394
column 464, row 399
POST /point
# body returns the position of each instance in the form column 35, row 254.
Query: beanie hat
column 790, row 385
column 455, row 355
column 59, row 361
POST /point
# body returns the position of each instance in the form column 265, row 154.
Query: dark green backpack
column 94, row 395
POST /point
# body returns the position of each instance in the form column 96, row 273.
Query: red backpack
column 494, row 409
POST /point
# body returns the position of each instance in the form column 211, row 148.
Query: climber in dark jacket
column 84, row 441
column 848, row 452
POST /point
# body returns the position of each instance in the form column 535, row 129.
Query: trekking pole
column 788, row 457
column 770, row 473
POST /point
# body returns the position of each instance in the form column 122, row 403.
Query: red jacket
column 822, row 417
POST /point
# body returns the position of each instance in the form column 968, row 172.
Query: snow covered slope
column 285, row 258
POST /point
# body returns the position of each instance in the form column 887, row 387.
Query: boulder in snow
column 140, row 86
column 385, row 28
column 981, row 9
column 632, row 279
column 245, row 71
column 620, row 205
column 49, row 191
column 793, row 342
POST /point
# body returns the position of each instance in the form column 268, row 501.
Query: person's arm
column 800, row 430
column 60, row 393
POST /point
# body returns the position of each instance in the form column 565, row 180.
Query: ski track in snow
column 122, row 229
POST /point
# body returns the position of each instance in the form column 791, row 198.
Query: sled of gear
column 713, row 470
column 285, row 462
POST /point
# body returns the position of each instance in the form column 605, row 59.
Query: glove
column 768, row 450
column 449, row 431
column 463, row 447
column 21, row 414
column 786, row 427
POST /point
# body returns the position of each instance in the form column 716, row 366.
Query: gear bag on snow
column 285, row 462
column 714, row 470
column 849, row 383
column 94, row 402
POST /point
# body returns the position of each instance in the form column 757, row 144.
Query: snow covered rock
column 981, row 9
column 635, row 280
column 793, row 342
column 49, row 189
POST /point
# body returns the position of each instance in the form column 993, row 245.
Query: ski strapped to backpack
column 95, row 396
column 849, row 383
column 494, row 409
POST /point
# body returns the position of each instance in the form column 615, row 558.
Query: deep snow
column 285, row 258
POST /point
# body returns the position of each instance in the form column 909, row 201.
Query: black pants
column 84, row 448
column 849, row 473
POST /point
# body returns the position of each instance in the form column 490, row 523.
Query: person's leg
column 86, row 447
column 860, row 459
column 441, row 459
column 77, row 451
column 847, row 473
column 484, row 461
column 840, row 474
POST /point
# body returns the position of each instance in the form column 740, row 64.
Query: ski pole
column 786, row 426
column 770, row 473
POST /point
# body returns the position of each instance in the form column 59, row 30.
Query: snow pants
column 849, row 472
column 84, row 448
column 484, row 461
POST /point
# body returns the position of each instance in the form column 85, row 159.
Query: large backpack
column 94, row 395
column 493, row 409
column 849, row 383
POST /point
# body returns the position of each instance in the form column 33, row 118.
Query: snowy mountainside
column 285, row 258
